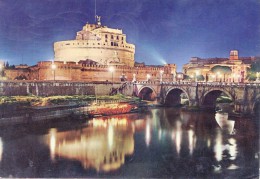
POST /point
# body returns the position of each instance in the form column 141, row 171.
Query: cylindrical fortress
column 98, row 43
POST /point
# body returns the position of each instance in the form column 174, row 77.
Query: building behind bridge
column 232, row 69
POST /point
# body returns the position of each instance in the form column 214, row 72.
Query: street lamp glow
column 111, row 69
column 161, row 74
column 134, row 77
column 161, row 71
column 148, row 76
column 53, row 67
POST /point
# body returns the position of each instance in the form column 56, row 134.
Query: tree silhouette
column 251, row 72
column 221, row 69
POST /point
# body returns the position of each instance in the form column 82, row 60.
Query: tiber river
column 161, row 143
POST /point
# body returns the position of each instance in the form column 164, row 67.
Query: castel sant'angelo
column 98, row 53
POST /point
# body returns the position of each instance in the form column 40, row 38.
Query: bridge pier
column 194, row 103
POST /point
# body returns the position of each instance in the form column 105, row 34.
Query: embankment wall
column 52, row 88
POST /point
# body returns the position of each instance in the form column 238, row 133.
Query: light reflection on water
column 1, row 148
column 224, row 123
column 163, row 142
column 101, row 146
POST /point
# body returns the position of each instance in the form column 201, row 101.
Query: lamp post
column 173, row 75
column 218, row 76
column 161, row 75
column 196, row 76
column 213, row 77
column 53, row 67
column 134, row 77
column 179, row 77
column 191, row 77
column 238, row 78
column 112, row 69
column 148, row 76
column 233, row 78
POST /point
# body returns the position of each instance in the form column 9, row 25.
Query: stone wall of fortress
column 45, row 88
column 83, row 72
column 101, row 52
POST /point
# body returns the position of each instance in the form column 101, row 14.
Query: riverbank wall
column 32, row 114
column 29, row 115
column 52, row 88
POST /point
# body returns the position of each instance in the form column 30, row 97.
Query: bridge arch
column 147, row 93
column 209, row 99
column 173, row 96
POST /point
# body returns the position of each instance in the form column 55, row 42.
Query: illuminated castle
column 99, row 43
column 90, row 57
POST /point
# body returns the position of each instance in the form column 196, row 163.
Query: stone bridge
column 245, row 97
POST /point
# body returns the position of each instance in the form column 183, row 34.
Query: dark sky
column 162, row 30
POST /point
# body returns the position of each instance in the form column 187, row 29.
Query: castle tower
column 97, row 43
column 233, row 55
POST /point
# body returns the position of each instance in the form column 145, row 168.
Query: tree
column 251, row 72
column 7, row 65
column 221, row 69
column 200, row 78
column 186, row 77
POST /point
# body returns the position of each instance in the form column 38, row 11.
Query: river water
column 160, row 143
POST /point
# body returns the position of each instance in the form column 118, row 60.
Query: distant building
column 206, row 69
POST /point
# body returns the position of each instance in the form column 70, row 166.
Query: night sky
column 162, row 30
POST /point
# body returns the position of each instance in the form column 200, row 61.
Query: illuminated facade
column 204, row 67
column 102, row 147
column 99, row 43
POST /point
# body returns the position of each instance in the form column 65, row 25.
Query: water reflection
column 225, row 124
column 147, row 134
column 1, row 149
column 192, row 141
column 52, row 143
column 177, row 136
column 160, row 143
column 102, row 147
